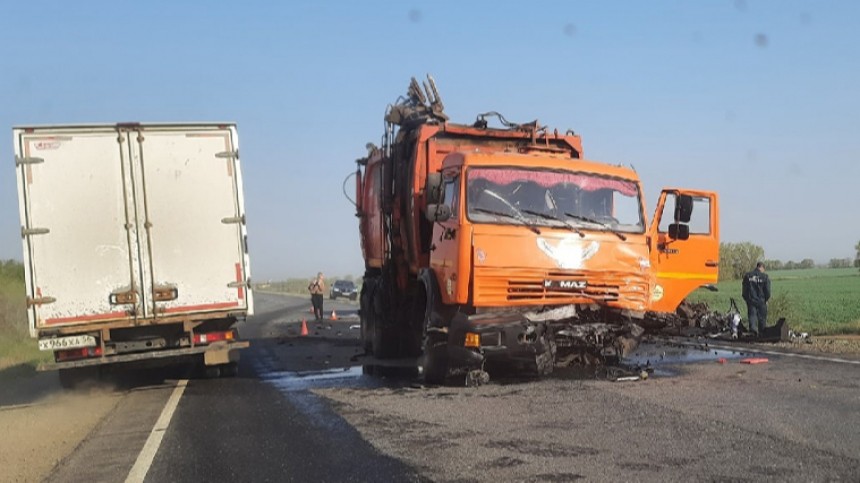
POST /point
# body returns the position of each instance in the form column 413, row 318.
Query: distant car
column 343, row 288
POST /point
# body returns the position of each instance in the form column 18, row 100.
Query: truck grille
column 500, row 287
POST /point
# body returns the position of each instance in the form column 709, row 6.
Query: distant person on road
column 756, row 292
column 317, row 288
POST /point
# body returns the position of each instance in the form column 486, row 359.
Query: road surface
column 314, row 409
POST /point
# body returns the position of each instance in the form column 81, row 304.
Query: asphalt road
column 314, row 409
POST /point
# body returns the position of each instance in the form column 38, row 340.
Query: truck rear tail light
column 210, row 337
column 82, row 353
column 473, row 340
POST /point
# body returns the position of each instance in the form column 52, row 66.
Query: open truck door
column 685, row 245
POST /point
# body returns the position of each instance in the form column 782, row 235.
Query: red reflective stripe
column 239, row 279
column 191, row 308
column 85, row 318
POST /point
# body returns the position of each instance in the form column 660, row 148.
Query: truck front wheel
column 435, row 365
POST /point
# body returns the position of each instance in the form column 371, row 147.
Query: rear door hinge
column 40, row 301
column 228, row 154
column 233, row 220
column 25, row 232
column 31, row 160
column 238, row 284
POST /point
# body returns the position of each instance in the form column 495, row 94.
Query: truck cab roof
column 537, row 160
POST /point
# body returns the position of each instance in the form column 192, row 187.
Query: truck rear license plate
column 71, row 342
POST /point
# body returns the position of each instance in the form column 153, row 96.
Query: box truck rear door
column 80, row 242
column 190, row 195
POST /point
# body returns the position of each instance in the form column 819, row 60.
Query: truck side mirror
column 678, row 231
column 683, row 208
column 433, row 188
column 438, row 212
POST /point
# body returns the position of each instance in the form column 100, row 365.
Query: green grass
column 16, row 346
column 820, row 301
column 17, row 349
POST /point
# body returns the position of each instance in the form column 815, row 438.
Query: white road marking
column 150, row 448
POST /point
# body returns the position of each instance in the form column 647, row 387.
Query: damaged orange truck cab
column 485, row 244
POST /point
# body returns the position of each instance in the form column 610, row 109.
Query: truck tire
column 365, row 312
column 435, row 364
column 385, row 342
column 418, row 319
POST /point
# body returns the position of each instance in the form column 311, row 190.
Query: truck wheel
column 385, row 342
column 365, row 312
column 435, row 359
column 419, row 318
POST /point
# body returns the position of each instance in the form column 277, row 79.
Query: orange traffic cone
column 304, row 331
column 333, row 315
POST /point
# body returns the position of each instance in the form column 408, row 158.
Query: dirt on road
column 41, row 424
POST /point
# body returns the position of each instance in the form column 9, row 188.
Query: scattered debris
column 623, row 374
column 477, row 378
column 754, row 360
column 799, row 336
column 698, row 320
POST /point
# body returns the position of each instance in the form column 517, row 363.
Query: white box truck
column 135, row 245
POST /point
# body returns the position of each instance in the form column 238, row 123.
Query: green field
column 818, row 300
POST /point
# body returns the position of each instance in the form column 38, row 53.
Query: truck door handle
column 711, row 263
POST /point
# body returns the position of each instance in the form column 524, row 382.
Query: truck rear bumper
column 222, row 350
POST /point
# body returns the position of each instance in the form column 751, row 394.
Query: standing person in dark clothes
column 317, row 288
column 756, row 292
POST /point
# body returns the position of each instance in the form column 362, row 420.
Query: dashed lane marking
column 150, row 448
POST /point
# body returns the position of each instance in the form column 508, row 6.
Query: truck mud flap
column 215, row 353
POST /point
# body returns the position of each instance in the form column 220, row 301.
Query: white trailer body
column 134, row 239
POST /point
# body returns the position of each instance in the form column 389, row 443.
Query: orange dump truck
column 486, row 245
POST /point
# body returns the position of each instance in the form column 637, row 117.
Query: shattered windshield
column 553, row 198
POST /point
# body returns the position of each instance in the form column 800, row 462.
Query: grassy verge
column 18, row 350
column 16, row 346
column 818, row 301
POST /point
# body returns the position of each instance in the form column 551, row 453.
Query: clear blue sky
column 758, row 100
